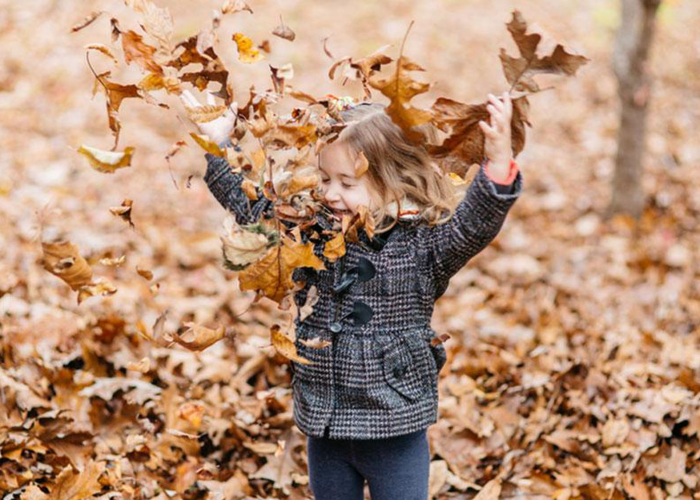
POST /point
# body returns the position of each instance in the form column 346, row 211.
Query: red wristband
column 512, row 173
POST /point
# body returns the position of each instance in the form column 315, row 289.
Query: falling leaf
column 198, row 338
column 175, row 149
column 207, row 145
column 335, row 247
column 316, row 343
column 100, row 288
column 280, row 76
column 233, row 6
column 311, row 300
column 439, row 339
column 272, row 275
column 124, row 211
column 283, row 31
column 466, row 139
column 362, row 69
column 62, row 259
column 103, row 49
column 107, row 161
column 285, row 346
column 87, row 21
column 400, row 88
column 247, row 53
column 205, row 113
column 113, row 262
column 519, row 71
column 244, row 245
column 135, row 50
column 145, row 273
column 325, row 47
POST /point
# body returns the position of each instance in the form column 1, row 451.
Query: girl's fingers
column 488, row 131
column 496, row 102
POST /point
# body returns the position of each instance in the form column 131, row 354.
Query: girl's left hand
column 497, row 144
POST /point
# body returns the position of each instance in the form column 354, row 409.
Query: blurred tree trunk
column 630, row 56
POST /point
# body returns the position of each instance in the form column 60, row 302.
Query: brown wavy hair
column 397, row 167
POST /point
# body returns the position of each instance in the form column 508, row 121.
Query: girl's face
column 342, row 191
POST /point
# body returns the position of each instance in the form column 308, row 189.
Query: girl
column 366, row 401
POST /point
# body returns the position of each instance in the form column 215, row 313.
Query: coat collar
column 410, row 214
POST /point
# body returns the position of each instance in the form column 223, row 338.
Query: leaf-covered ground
column 574, row 360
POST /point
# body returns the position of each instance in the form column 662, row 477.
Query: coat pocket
column 403, row 367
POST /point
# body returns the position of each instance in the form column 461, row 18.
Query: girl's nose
column 331, row 195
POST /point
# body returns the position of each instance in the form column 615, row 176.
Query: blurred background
column 568, row 291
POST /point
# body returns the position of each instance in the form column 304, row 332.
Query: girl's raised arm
column 225, row 185
column 475, row 223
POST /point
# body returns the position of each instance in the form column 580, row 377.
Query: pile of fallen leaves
column 573, row 359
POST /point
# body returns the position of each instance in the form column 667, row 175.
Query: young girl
column 366, row 401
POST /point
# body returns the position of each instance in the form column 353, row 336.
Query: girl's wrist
column 501, row 172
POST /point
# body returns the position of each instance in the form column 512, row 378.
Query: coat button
column 336, row 327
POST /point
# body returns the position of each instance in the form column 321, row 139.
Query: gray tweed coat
column 378, row 377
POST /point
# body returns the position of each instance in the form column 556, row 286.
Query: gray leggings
column 395, row 468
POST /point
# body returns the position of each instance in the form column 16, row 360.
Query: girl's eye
column 347, row 185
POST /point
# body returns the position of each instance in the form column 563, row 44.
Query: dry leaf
column 198, row 338
column 87, row 21
column 316, row 343
column 283, row 31
column 107, row 161
column 400, row 89
column 243, row 246
column 247, row 52
column 62, row 259
column 272, row 275
column 519, row 71
column 100, row 288
column 335, row 247
column 233, row 6
column 285, row 346
column 145, row 273
column 124, row 211
column 104, row 50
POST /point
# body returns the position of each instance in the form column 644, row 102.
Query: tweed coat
column 378, row 377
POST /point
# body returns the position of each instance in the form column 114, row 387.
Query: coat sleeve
column 475, row 223
column 225, row 185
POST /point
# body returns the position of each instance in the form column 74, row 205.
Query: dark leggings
column 395, row 468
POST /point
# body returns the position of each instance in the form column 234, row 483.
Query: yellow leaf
column 272, row 275
column 334, row 248
column 247, row 52
column 107, row 161
column 208, row 146
column 285, row 346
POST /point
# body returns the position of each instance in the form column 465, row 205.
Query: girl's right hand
column 218, row 130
